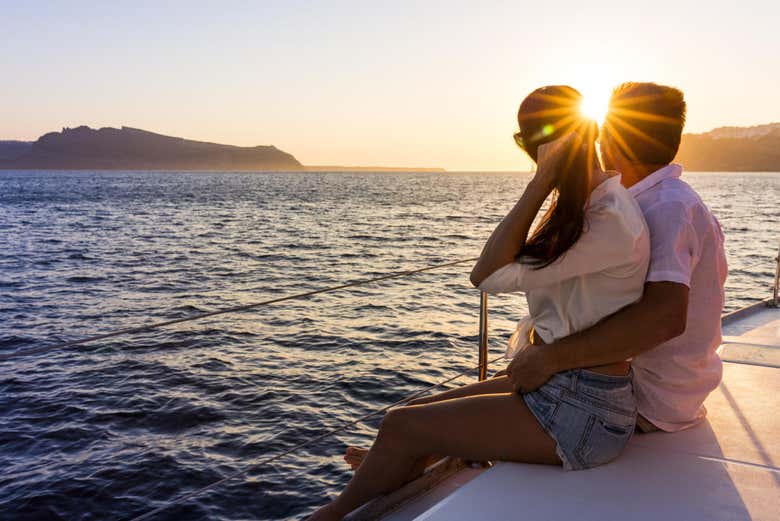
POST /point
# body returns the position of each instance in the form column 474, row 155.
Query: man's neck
column 632, row 173
column 597, row 177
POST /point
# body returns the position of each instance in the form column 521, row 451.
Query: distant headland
column 725, row 149
column 126, row 148
column 732, row 149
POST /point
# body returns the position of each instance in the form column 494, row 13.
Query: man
column 672, row 332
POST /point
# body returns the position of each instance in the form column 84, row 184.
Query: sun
column 595, row 104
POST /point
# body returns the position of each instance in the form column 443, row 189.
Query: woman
column 586, row 258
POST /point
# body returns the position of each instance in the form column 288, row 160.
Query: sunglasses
column 519, row 140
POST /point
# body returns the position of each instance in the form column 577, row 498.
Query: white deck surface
column 727, row 468
column 754, row 338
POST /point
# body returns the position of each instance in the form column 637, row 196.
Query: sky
column 425, row 83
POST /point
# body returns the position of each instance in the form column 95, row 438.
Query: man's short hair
column 646, row 120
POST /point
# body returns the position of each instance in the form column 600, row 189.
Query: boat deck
column 726, row 468
column 752, row 335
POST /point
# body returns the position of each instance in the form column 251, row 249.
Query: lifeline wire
column 156, row 325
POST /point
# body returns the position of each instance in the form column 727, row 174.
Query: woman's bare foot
column 354, row 456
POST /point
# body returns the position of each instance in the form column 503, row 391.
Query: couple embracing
column 624, row 277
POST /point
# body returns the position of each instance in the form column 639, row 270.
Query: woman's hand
column 550, row 158
column 509, row 237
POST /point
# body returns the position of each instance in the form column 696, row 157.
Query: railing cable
column 156, row 325
column 303, row 444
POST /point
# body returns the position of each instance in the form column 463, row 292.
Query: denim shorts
column 590, row 416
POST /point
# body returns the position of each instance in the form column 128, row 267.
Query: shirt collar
column 669, row 171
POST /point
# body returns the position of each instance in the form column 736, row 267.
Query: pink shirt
column 672, row 380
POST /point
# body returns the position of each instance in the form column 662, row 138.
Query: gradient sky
column 368, row 83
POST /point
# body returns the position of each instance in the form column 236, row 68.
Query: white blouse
column 601, row 273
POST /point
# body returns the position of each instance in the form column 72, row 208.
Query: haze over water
column 109, row 430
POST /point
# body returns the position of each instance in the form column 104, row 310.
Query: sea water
column 114, row 429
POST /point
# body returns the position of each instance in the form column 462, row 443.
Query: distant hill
column 13, row 149
column 732, row 149
column 83, row 148
column 725, row 149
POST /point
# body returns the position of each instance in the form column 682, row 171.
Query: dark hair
column 545, row 115
column 646, row 120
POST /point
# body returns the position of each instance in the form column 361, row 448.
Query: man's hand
column 529, row 369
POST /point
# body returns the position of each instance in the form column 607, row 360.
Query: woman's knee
column 394, row 426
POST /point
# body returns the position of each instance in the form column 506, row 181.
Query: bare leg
column 497, row 385
column 354, row 455
column 462, row 427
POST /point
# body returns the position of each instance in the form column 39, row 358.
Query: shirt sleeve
column 608, row 241
column 674, row 243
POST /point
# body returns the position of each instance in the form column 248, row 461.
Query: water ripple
column 112, row 430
